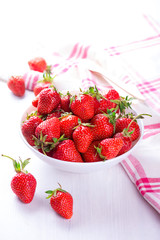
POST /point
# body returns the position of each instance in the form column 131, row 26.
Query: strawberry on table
column 37, row 64
column 28, row 128
column 23, row 183
column 67, row 151
column 17, row 85
column 61, row 201
column 109, row 148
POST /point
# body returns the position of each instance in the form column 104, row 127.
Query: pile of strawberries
column 88, row 126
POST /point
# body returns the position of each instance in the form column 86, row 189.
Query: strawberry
column 28, row 128
column 102, row 105
column 48, row 100
column 23, row 184
column 65, row 102
column 67, row 151
column 83, row 106
column 112, row 95
column 82, row 136
column 46, row 82
column 17, row 85
column 109, row 148
column 49, row 128
column 40, row 86
column 127, row 143
column 37, row 64
column 124, row 122
column 61, row 201
column 35, row 101
column 91, row 154
column 67, row 124
column 102, row 127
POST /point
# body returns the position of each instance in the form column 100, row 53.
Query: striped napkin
column 134, row 64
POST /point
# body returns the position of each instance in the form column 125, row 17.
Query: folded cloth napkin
column 133, row 67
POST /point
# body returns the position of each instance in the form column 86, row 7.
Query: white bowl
column 80, row 167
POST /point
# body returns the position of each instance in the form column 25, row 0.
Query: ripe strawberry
column 23, row 183
column 67, row 124
column 109, row 148
column 65, row 102
column 48, row 100
column 61, row 201
column 112, row 95
column 16, row 85
column 28, row 128
column 127, row 143
column 46, row 82
column 49, row 128
column 123, row 123
column 102, row 127
column 56, row 113
column 37, row 64
column 83, row 106
column 82, row 137
column 40, row 86
column 102, row 105
column 91, row 154
column 67, row 151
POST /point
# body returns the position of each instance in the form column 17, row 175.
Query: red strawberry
column 35, row 101
column 127, row 143
column 67, row 151
column 49, row 128
column 48, row 135
column 65, row 102
column 48, row 100
column 109, row 148
column 82, row 137
column 112, row 95
column 23, row 183
column 40, row 86
column 46, row 82
column 55, row 113
column 61, row 201
column 83, row 106
column 91, row 154
column 102, row 105
column 67, row 124
column 102, row 127
column 16, row 85
column 28, row 128
column 123, row 123
column 37, row 64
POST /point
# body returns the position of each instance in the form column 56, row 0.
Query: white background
column 106, row 204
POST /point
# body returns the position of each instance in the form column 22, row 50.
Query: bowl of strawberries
column 81, row 131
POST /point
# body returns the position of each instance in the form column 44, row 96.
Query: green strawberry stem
column 47, row 146
column 137, row 117
column 54, row 192
column 18, row 165
column 80, row 123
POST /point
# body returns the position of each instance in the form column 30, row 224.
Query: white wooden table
column 106, row 203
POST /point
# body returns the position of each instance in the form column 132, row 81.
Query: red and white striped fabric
column 138, row 67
